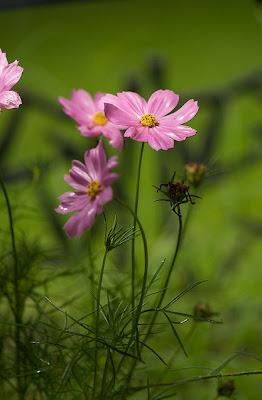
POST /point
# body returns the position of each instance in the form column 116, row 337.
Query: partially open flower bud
column 203, row 310
column 195, row 173
column 226, row 388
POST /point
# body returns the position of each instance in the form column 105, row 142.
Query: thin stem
column 165, row 286
column 167, row 367
column 103, row 387
column 134, row 224
column 162, row 293
column 139, row 307
column 17, row 308
column 172, row 385
column 92, row 265
column 97, row 320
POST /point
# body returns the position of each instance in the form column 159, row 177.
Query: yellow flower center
column 99, row 118
column 148, row 120
column 93, row 189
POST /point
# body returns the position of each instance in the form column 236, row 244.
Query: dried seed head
column 202, row 310
column 226, row 388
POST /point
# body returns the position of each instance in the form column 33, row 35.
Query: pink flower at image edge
column 150, row 121
column 92, row 181
column 89, row 114
column 9, row 76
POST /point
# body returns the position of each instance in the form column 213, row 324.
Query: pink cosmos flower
column 149, row 122
column 92, row 182
column 91, row 118
column 9, row 76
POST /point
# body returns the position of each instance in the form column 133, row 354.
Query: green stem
column 92, row 266
column 162, row 293
column 97, row 321
column 165, row 286
column 134, row 224
column 17, row 308
column 139, row 307
column 103, row 387
column 172, row 385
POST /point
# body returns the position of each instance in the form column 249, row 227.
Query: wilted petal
column 10, row 99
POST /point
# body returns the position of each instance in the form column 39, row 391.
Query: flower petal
column 10, row 76
column 80, row 221
column 186, row 112
column 103, row 197
column 3, row 61
column 113, row 133
column 72, row 201
column 95, row 160
column 79, row 177
column 10, row 99
column 133, row 103
column 81, row 107
column 140, row 133
column 159, row 140
column 162, row 102
column 120, row 117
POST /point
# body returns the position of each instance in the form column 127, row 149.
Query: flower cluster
column 107, row 115
column 9, row 76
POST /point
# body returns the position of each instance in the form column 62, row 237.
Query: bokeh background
column 206, row 50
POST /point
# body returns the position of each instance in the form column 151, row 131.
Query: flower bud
column 202, row 310
column 226, row 388
column 195, row 173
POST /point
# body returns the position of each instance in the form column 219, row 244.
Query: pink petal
column 89, row 132
column 109, row 178
column 10, row 99
column 186, row 112
column 162, row 102
column 140, row 133
column 95, row 160
column 116, row 139
column 72, row 201
column 120, row 117
column 80, row 221
column 3, row 61
column 84, row 100
column 81, row 108
column 112, row 162
column 103, row 197
column 10, row 76
column 182, row 132
column 97, row 100
column 133, row 102
column 79, row 177
column 158, row 140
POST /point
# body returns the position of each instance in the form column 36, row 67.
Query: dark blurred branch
column 7, row 4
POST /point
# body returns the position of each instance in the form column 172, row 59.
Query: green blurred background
column 206, row 50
